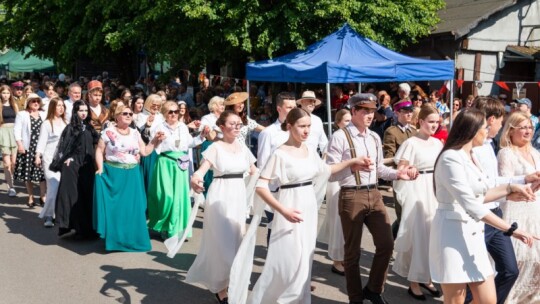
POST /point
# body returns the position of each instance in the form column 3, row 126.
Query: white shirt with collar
column 270, row 139
column 365, row 144
column 176, row 139
column 486, row 158
column 68, row 106
column 317, row 137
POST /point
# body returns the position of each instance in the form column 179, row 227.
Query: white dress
column 287, row 270
column 418, row 208
column 525, row 214
column 224, row 218
column 457, row 247
column 46, row 146
column 331, row 232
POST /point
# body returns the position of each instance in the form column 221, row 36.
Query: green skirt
column 119, row 208
column 169, row 205
column 147, row 168
column 8, row 145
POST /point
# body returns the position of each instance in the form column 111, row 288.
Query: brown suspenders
column 353, row 154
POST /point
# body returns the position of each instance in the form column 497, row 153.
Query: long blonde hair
column 12, row 102
column 511, row 123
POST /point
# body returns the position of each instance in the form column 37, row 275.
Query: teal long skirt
column 169, row 205
column 209, row 176
column 119, row 209
column 147, row 168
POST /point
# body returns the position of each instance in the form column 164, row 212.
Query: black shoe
column 337, row 271
column 435, row 293
column 375, row 298
column 420, row 297
column 222, row 301
column 356, row 302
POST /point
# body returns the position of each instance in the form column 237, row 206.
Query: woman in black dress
column 75, row 159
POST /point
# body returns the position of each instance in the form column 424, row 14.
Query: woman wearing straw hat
column 236, row 102
column 27, row 128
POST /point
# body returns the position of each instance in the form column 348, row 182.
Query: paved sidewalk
column 38, row 267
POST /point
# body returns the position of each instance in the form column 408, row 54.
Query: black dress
column 75, row 192
column 25, row 169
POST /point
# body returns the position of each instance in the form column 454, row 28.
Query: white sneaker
column 12, row 192
column 48, row 222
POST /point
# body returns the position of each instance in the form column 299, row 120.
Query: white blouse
column 176, row 139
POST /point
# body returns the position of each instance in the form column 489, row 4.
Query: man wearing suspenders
column 360, row 202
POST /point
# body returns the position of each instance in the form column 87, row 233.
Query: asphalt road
column 38, row 267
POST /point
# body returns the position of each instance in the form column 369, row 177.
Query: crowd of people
column 116, row 162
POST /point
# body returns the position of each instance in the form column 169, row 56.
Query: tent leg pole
column 248, row 111
column 329, row 109
column 451, row 102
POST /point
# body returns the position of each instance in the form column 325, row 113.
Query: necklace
column 123, row 132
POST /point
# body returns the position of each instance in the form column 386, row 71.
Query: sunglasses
column 174, row 112
column 130, row 114
column 34, row 100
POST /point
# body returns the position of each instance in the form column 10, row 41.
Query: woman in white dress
column 517, row 157
column 287, row 270
column 457, row 250
column 419, row 204
column 332, row 232
column 51, row 130
column 236, row 103
column 225, row 207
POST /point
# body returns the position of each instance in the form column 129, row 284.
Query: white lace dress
column 525, row 214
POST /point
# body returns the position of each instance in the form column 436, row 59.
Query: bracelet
column 511, row 230
column 508, row 188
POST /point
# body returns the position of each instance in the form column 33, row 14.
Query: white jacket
column 22, row 127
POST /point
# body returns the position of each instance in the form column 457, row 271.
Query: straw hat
column 32, row 96
column 235, row 98
column 309, row 95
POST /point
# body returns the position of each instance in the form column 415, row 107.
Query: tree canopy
column 196, row 32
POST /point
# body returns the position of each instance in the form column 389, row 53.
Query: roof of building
column 461, row 16
column 528, row 52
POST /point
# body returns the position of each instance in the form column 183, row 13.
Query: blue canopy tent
column 344, row 57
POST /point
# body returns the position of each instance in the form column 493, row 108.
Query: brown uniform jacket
column 394, row 137
column 97, row 121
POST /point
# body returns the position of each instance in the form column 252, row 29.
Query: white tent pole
column 248, row 103
column 329, row 109
column 451, row 101
column 248, row 111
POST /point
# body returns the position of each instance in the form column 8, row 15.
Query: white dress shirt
column 486, row 158
column 68, row 106
column 317, row 137
column 270, row 139
column 365, row 144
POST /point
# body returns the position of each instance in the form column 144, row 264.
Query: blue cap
column 526, row 101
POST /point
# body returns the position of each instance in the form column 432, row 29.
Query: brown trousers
column 356, row 208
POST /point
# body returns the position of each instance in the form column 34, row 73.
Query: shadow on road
column 151, row 283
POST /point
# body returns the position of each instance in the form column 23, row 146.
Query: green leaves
column 197, row 32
